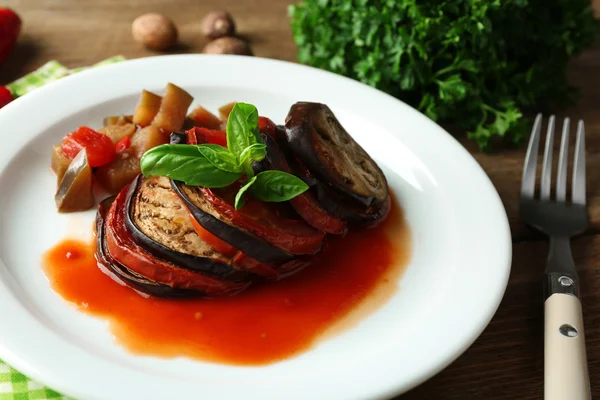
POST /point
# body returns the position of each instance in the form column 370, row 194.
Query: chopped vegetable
column 204, row 135
column 75, row 189
column 479, row 64
column 100, row 149
column 123, row 144
column 146, row 108
column 59, row 163
column 117, row 120
column 116, row 133
column 173, row 109
column 119, row 173
column 145, row 139
column 225, row 110
column 204, row 118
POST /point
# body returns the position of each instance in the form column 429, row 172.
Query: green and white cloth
column 50, row 72
column 16, row 386
column 13, row 384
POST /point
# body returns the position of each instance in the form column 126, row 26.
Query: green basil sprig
column 214, row 166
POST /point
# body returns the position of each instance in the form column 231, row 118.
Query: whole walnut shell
column 218, row 24
column 154, row 31
column 228, row 45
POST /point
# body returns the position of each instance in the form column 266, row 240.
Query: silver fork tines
column 529, row 170
column 579, row 168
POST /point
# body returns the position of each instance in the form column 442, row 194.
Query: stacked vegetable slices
column 165, row 238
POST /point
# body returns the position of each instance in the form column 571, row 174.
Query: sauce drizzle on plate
column 269, row 322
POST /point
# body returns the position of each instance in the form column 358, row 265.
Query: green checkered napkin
column 16, row 386
column 49, row 72
column 13, row 384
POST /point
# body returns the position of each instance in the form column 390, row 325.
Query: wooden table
column 506, row 362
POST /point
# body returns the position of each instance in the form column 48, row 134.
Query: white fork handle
column 565, row 365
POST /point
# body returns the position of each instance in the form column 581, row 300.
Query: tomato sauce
column 268, row 322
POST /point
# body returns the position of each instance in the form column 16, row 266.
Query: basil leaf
column 185, row 163
column 254, row 152
column 276, row 186
column 242, row 127
column 220, row 157
column 239, row 197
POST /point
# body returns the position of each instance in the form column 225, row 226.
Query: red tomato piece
column 205, row 135
column 100, row 149
column 5, row 96
column 123, row 144
column 265, row 125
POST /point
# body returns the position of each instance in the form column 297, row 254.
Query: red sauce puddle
column 269, row 322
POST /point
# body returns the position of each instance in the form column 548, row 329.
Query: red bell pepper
column 100, row 149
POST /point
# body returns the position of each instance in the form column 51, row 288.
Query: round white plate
column 455, row 280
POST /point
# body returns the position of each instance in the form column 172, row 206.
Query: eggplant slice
column 333, row 202
column 316, row 136
column 121, row 246
column 220, row 226
column 158, row 221
column 108, row 265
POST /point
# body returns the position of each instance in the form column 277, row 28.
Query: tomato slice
column 216, row 243
column 198, row 135
column 124, row 250
column 100, row 149
column 240, row 259
column 308, row 207
column 274, row 222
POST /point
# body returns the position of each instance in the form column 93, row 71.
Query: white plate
column 455, row 280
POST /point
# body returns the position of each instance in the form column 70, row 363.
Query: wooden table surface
column 506, row 362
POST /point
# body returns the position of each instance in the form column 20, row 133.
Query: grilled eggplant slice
column 305, row 204
column 158, row 221
column 119, row 272
column 222, row 227
column 316, row 136
column 124, row 250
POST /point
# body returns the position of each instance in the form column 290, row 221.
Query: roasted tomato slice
column 306, row 204
column 274, row 222
column 118, row 272
column 266, row 126
column 100, row 149
column 124, row 250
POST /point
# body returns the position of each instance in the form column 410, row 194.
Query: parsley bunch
column 477, row 64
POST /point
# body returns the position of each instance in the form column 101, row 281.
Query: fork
column 565, row 366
